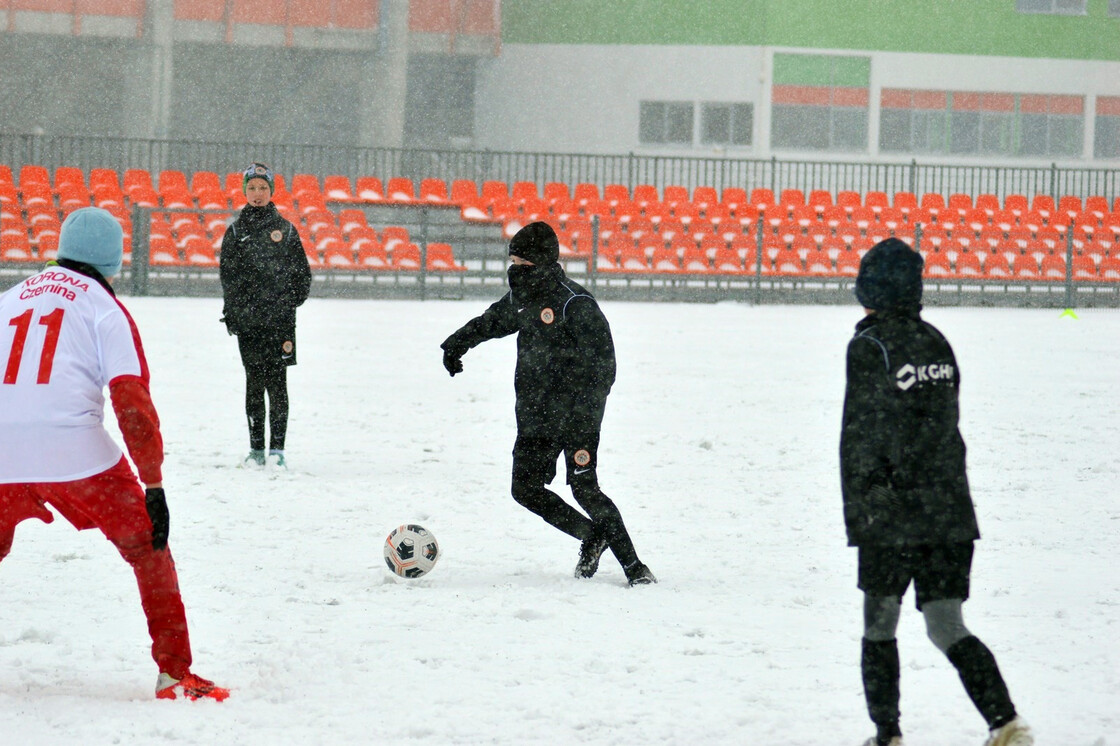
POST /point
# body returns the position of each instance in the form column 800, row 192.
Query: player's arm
column 867, row 433
column 596, row 346
column 139, row 423
column 499, row 320
column 299, row 283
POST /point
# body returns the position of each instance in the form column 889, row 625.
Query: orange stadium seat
column 394, row 236
column 733, row 197
column 494, row 190
column 705, row 197
column 433, row 190
column 555, row 191
column 441, row 258
column 905, row 201
column 792, row 197
column 204, row 181
column 372, row 255
column 33, row 174
column 695, row 259
column 989, row 203
column 369, row 189
column 400, row 189
column 336, row 188
column 406, row 257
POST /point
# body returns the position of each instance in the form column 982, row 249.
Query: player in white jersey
column 64, row 337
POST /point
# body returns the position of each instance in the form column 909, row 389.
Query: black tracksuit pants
column 266, row 374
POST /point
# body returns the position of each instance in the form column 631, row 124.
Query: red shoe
column 190, row 686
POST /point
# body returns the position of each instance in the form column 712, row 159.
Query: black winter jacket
column 902, row 458
column 264, row 271
column 565, row 356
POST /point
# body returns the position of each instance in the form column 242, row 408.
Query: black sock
column 879, row 665
column 982, row 680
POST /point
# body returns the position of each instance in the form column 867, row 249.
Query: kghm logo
column 908, row 375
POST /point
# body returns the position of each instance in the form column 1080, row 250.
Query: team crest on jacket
column 582, row 457
column 548, row 316
column 276, row 235
column 287, row 347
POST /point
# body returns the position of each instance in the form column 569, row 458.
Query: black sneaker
column 590, row 551
column 639, row 574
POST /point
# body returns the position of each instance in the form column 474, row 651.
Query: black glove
column 453, row 357
column 453, row 350
column 156, row 502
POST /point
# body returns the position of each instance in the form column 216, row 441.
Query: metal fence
column 570, row 168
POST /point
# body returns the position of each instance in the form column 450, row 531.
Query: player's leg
column 581, row 458
column 251, row 359
column 942, row 584
column 7, row 534
column 534, row 466
column 883, row 578
column 113, row 501
column 276, row 383
column 18, row 502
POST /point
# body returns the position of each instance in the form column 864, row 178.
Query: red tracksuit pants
column 113, row 501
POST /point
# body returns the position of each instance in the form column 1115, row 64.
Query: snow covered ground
column 720, row 448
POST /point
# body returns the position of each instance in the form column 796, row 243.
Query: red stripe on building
column 931, row 100
column 1067, row 105
column 997, row 102
column 1108, row 106
column 801, row 95
column 895, row 98
column 850, row 97
column 966, row 102
column 1032, row 103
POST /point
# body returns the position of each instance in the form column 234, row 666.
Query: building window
column 726, row 124
column 966, row 123
column 1107, row 141
column 1051, row 125
column 1114, row 8
column 1053, row 7
column 665, row 123
column 913, row 121
column 819, row 102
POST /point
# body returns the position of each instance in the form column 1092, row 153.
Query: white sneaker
column 896, row 741
column 1015, row 733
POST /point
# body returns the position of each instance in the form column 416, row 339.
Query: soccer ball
column 411, row 551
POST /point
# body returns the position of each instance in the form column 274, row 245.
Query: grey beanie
column 92, row 236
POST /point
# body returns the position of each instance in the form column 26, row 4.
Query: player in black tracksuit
column 907, row 505
column 265, row 276
column 565, row 370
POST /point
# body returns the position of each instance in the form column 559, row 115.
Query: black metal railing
column 628, row 169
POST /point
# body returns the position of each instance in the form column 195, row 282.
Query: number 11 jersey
column 63, row 339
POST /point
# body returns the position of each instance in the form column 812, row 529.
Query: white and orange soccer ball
column 411, row 551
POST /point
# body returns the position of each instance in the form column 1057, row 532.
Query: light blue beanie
column 92, row 236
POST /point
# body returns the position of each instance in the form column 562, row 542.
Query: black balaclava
column 538, row 244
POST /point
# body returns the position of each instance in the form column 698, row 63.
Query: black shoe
column 590, row 551
column 639, row 574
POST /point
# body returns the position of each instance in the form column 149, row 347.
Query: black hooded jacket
column 264, row 271
column 902, row 458
column 565, row 355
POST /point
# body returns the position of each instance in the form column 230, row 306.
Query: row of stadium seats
column 495, row 199
column 673, row 227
